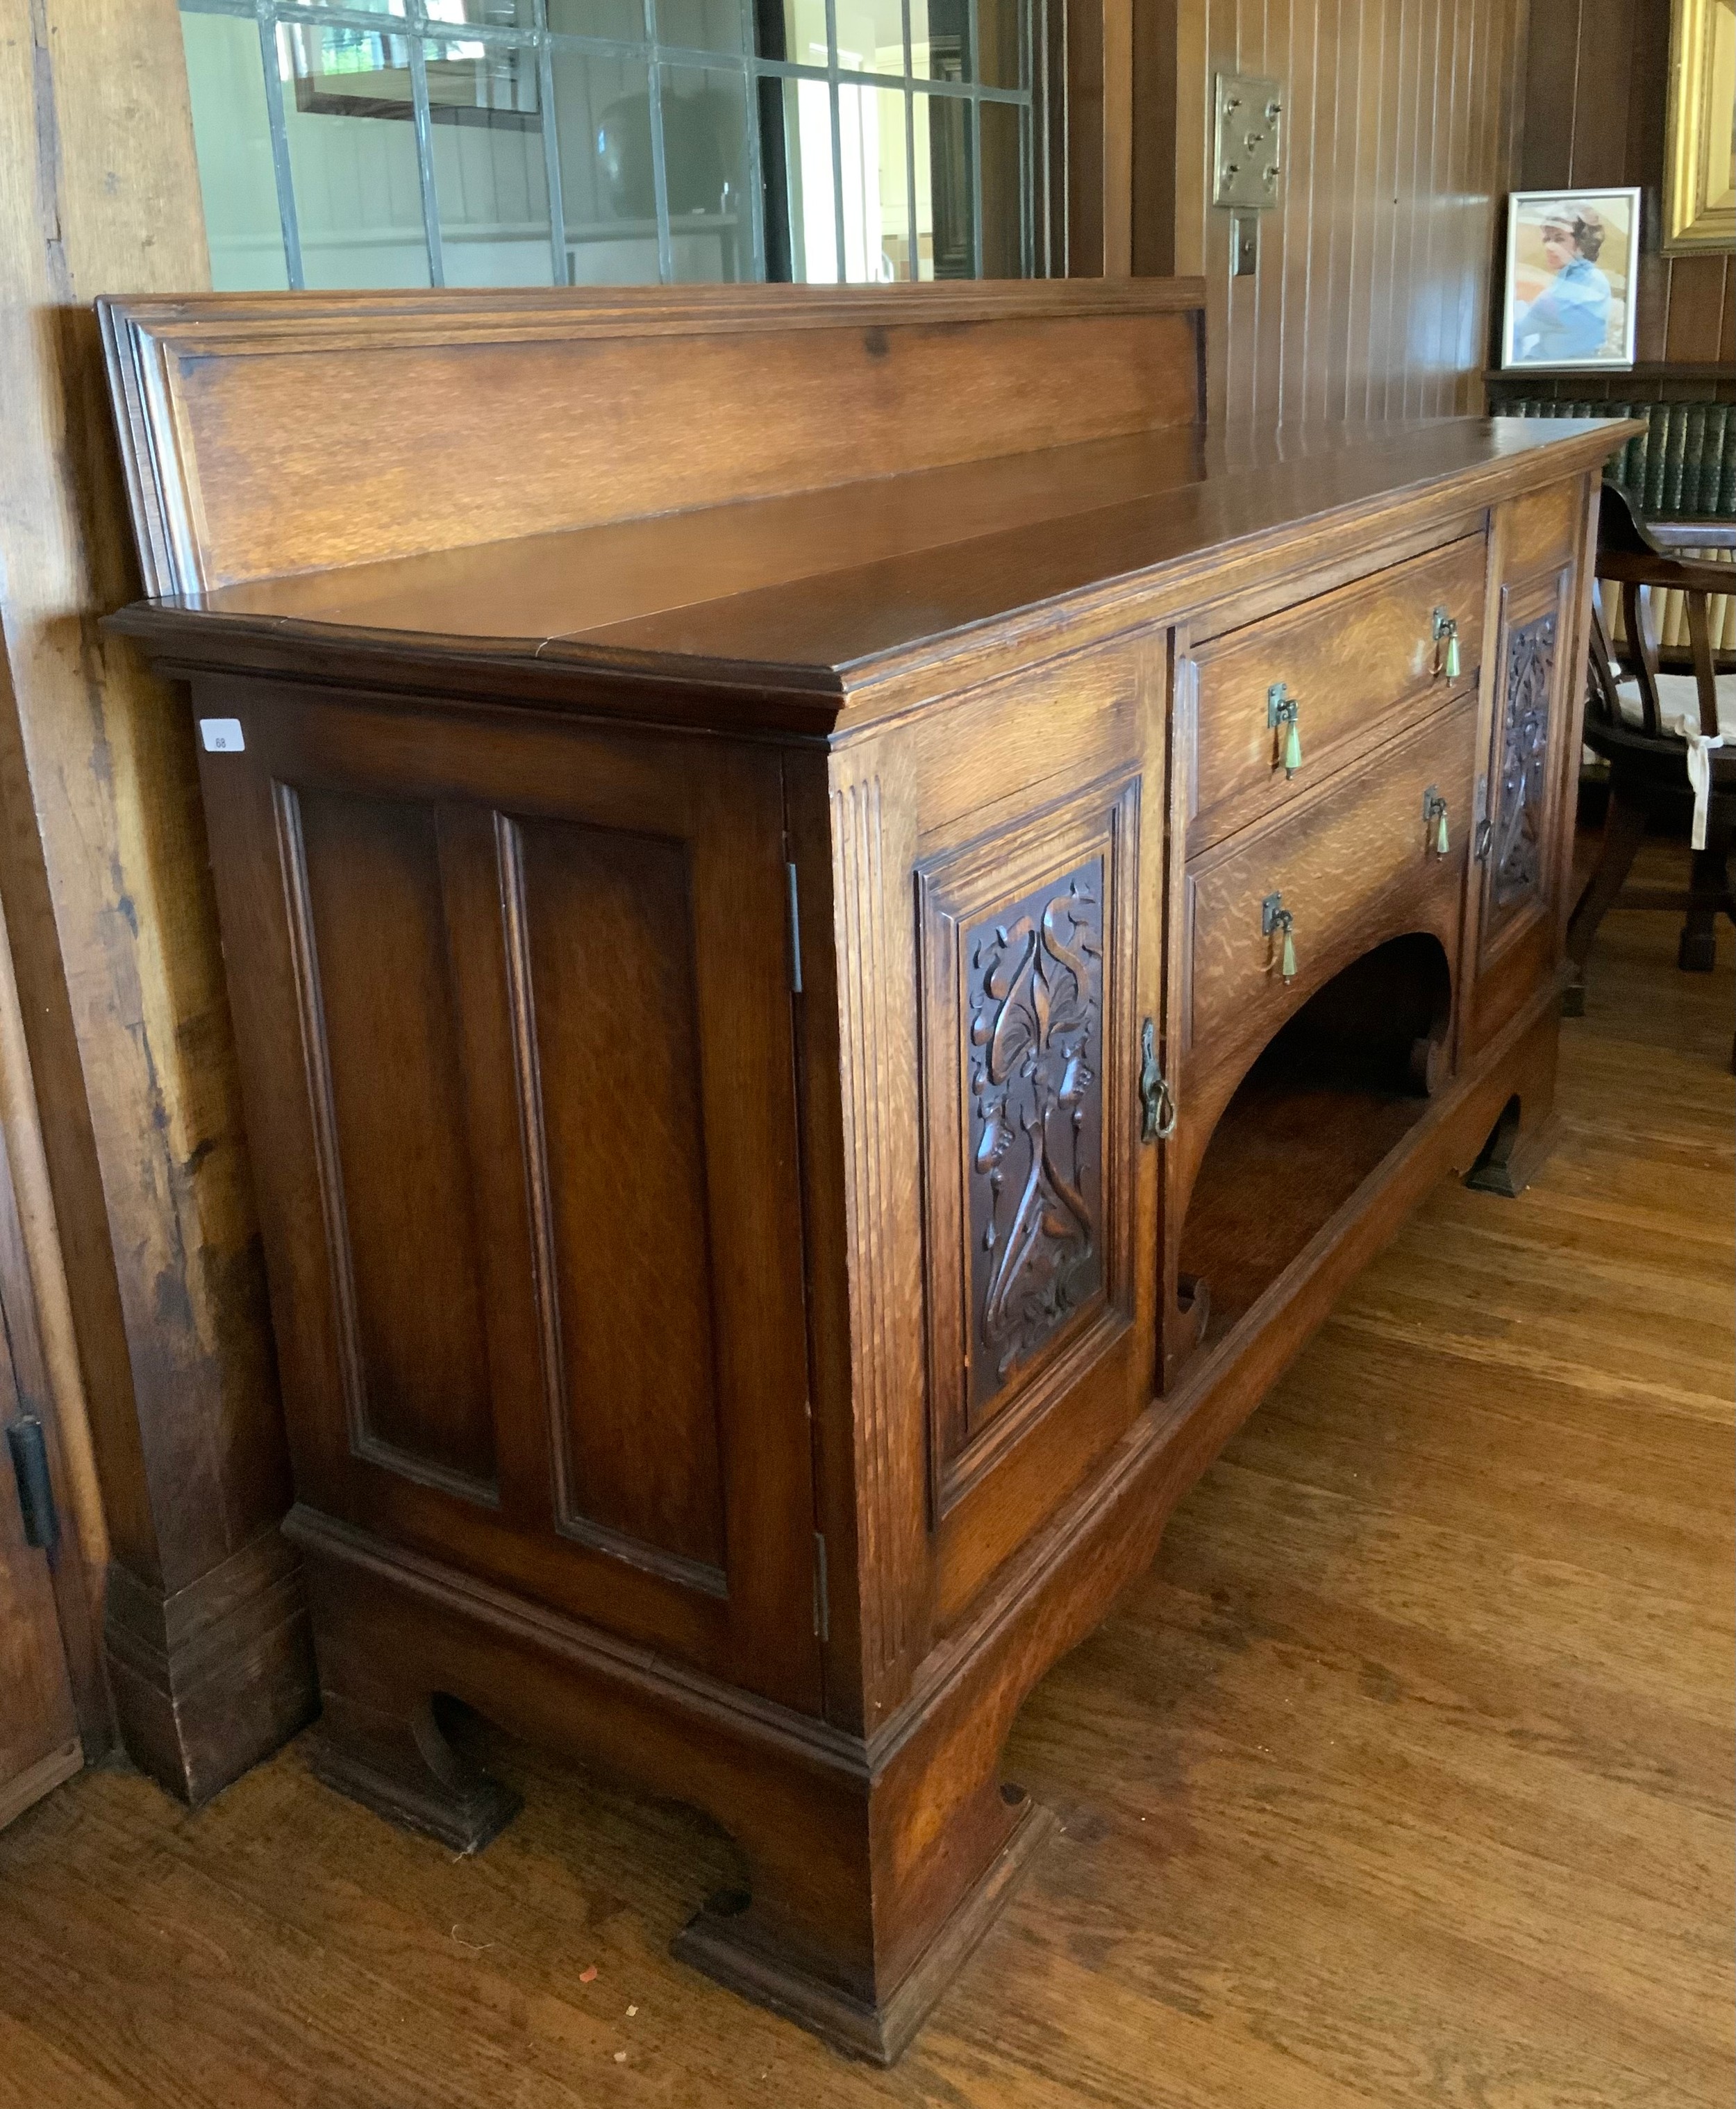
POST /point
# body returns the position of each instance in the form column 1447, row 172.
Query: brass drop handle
column 1434, row 819
column 1282, row 709
column 1274, row 916
column 1446, row 646
column 1157, row 1102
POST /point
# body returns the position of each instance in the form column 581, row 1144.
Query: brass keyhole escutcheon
column 1156, row 1101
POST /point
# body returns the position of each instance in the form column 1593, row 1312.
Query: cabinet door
column 1013, row 1295
column 513, row 1005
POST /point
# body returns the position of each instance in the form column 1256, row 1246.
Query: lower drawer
column 1357, row 864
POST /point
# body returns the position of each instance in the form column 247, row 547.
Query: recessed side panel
column 1034, row 1012
column 1519, row 790
column 604, row 954
column 384, row 1074
column 1519, row 839
column 1027, row 971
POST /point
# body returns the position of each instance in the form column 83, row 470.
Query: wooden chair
column 1630, row 709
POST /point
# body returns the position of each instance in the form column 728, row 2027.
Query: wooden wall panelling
column 1265, row 353
column 1597, row 87
column 103, row 878
column 1373, row 292
column 1351, row 349
column 1332, row 135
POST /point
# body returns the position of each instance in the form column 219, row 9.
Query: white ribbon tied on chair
column 1700, row 746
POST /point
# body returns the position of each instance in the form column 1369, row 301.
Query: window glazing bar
column 545, row 88
column 914, row 236
column 753, row 204
column 975, row 123
column 283, row 173
column 659, row 165
column 424, row 161
column 837, row 135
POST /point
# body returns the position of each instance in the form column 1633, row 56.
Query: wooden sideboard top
column 786, row 497
column 816, row 592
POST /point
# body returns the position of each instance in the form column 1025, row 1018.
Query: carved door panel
column 1519, row 845
column 513, row 1003
column 1029, row 942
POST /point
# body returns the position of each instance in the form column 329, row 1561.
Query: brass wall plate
column 1246, row 161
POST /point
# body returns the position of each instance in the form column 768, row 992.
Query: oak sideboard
column 843, row 923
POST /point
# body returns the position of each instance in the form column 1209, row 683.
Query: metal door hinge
column 42, row 1522
column 795, row 931
column 822, row 1612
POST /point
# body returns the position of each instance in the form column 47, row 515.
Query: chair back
column 1631, row 557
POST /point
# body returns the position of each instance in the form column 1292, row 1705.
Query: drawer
column 1344, row 659
column 1352, row 866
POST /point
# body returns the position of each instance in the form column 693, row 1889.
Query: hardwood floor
column 1405, row 1778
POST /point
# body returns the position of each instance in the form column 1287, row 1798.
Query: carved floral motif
column 1519, row 818
column 1034, row 995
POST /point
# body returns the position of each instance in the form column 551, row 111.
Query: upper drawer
column 1344, row 660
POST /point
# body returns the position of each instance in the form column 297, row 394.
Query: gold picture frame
column 1700, row 143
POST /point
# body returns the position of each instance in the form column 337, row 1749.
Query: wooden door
column 39, row 1741
column 513, row 1001
column 1037, row 856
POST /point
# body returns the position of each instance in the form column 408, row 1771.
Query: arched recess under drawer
column 1329, row 1095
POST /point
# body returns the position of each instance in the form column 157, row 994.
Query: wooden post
column 1097, row 123
column 1118, row 138
column 106, row 895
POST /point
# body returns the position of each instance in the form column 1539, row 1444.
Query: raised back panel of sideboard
column 269, row 436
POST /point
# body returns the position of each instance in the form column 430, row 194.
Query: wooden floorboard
column 1403, row 1779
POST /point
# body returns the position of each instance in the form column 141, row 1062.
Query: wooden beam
column 1118, row 137
column 106, row 895
column 1151, row 174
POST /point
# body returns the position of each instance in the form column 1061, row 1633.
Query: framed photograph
column 1572, row 257
column 1700, row 145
